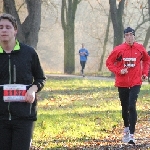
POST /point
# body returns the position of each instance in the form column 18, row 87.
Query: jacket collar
column 17, row 47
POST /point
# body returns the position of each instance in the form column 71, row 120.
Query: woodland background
column 56, row 28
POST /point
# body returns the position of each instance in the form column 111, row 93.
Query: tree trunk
column 105, row 43
column 147, row 37
column 29, row 29
column 68, row 11
column 149, row 8
column 116, row 17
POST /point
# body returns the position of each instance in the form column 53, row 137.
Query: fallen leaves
column 113, row 141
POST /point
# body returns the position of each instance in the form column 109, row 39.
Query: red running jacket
column 134, row 58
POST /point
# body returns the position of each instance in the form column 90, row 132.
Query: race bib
column 14, row 92
column 129, row 62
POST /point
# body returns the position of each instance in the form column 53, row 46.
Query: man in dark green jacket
column 21, row 77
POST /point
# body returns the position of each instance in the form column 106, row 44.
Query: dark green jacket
column 21, row 66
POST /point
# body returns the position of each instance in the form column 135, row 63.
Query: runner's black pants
column 82, row 63
column 128, row 98
column 15, row 134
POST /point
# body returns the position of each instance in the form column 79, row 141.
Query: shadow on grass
column 79, row 91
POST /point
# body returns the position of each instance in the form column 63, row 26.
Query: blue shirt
column 83, row 54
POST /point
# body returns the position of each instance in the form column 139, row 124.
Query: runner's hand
column 124, row 71
column 30, row 95
column 144, row 77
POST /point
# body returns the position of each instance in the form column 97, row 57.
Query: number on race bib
column 14, row 92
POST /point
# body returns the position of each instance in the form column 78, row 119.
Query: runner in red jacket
column 129, row 62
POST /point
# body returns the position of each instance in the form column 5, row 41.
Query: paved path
column 78, row 76
column 86, row 77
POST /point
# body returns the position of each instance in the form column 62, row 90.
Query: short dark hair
column 11, row 18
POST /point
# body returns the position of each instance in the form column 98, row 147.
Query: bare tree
column 29, row 28
column 68, row 11
column 140, row 10
column 116, row 17
column 105, row 43
column 147, row 37
column 149, row 8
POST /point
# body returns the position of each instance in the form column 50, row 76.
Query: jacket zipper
column 128, row 74
column 14, row 70
column 9, row 83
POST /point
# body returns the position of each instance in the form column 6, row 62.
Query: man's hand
column 124, row 71
column 30, row 95
column 82, row 53
column 144, row 77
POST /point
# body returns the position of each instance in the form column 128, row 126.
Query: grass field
column 72, row 112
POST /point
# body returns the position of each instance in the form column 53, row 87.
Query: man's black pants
column 128, row 98
column 15, row 134
column 82, row 63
